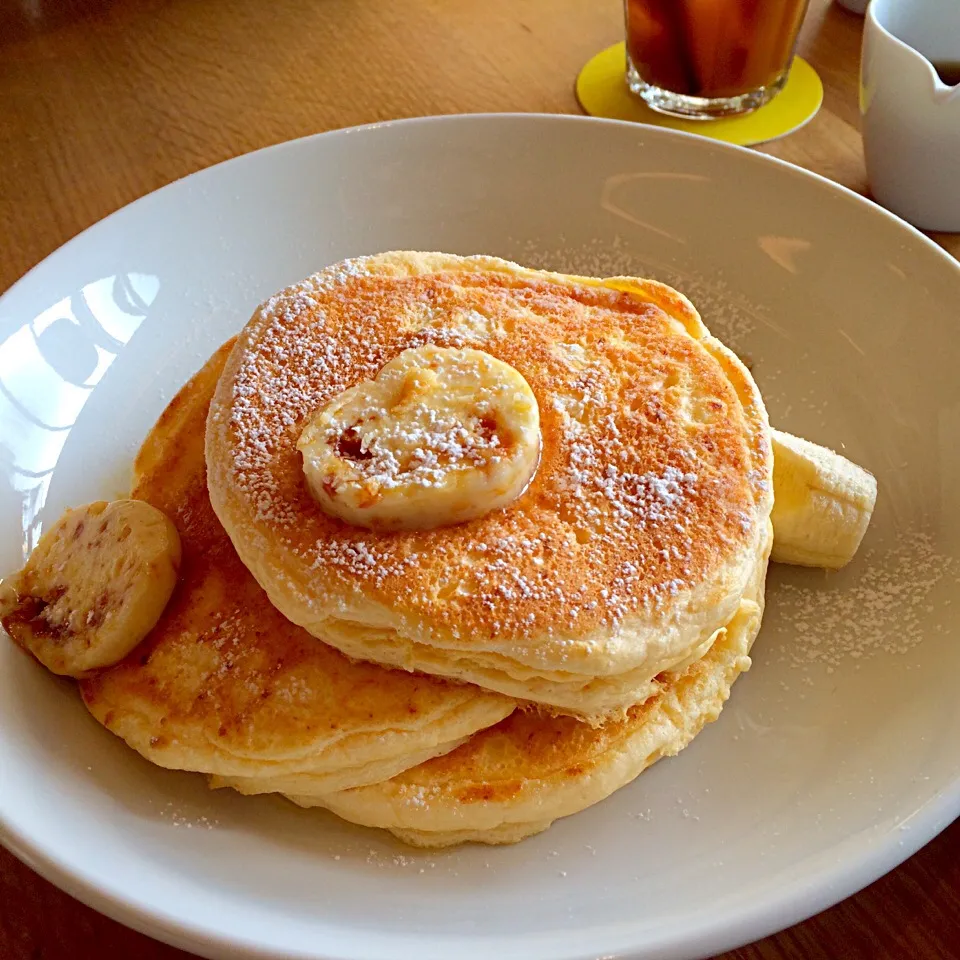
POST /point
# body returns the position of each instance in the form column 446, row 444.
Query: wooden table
column 101, row 102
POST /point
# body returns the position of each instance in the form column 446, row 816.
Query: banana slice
column 94, row 586
column 439, row 437
column 822, row 504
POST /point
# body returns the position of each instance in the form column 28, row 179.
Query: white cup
column 910, row 117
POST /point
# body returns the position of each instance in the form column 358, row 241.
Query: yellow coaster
column 602, row 92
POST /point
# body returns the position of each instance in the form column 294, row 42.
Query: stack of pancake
column 463, row 681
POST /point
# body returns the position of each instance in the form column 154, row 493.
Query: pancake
column 227, row 686
column 623, row 558
column 514, row 779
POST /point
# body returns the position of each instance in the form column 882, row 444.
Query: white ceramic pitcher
column 910, row 117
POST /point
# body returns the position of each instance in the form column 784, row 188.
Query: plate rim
column 783, row 907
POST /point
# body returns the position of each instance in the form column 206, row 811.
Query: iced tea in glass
column 710, row 58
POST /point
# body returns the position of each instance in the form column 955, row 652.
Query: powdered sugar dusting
column 276, row 386
column 724, row 310
column 880, row 606
column 398, row 431
column 177, row 818
column 435, row 447
column 883, row 602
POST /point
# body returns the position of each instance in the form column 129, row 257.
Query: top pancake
column 626, row 554
column 225, row 685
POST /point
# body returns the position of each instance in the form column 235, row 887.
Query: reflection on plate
column 835, row 760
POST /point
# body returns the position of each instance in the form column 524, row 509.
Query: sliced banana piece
column 94, row 586
column 822, row 504
column 440, row 436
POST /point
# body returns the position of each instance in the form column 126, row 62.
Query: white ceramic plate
column 837, row 756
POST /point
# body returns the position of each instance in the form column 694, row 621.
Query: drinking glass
column 710, row 58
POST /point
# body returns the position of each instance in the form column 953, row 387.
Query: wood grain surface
column 101, row 102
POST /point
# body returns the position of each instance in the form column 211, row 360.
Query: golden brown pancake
column 626, row 554
column 226, row 686
column 514, row 779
